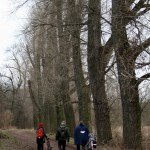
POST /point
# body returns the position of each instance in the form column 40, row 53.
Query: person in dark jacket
column 81, row 136
column 40, row 137
column 62, row 135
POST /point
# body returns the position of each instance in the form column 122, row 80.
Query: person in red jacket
column 40, row 137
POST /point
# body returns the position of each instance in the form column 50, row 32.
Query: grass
column 6, row 139
column 117, row 139
column 3, row 137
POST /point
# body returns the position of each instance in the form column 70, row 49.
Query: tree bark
column 96, row 67
column 63, row 69
column 83, row 93
column 127, row 79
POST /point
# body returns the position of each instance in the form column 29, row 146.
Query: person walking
column 62, row 135
column 40, row 137
column 81, row 136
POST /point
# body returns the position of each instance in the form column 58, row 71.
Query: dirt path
column 25, row 140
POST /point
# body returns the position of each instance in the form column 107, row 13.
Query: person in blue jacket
column 81, row 136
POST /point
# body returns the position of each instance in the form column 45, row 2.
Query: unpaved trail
column 25, row 140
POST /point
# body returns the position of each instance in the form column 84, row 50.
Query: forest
column 83, row 60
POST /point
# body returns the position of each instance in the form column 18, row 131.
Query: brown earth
column 24, row 140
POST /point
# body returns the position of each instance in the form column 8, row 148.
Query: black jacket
column 66, row 132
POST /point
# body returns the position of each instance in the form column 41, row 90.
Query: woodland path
column 25, row 140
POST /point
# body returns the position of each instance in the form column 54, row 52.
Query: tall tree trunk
column 127, row 79
column 96, row 68
column 38, row 76
column 130, row 100
column 49, row 109
column 82, row 89
column 34, row 103
column 63, row 70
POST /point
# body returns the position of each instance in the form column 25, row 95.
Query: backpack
column 40, row 133
column 63, row 133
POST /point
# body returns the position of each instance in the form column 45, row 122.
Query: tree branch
column 137, row 7
column 28, row 52
column 144, row 77
column 129, row 3
column 142, row 12
column 141, row 47
column 32, row 95
column 132, row 14
column 140, row 65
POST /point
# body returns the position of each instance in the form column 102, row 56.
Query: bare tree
column 97, row 62
column 126, row 55
column 75, row 20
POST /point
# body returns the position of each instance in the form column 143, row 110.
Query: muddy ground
column 24, row 140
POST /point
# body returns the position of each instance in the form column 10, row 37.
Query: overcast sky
column 10, row 25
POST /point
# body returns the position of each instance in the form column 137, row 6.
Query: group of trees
column 70, row 53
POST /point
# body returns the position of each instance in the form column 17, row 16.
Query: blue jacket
column 81, row 135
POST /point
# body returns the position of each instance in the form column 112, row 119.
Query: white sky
column 10, row 25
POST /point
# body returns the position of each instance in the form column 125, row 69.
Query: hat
column 81, row 122
column 40, row 124
column 63, row 123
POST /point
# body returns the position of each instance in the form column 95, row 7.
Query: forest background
column 86, row 57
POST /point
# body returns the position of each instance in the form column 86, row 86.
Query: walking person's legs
column 84, row 146
column 64, row 144
column 40, row 146
column 59, row 145
column 78, row 147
